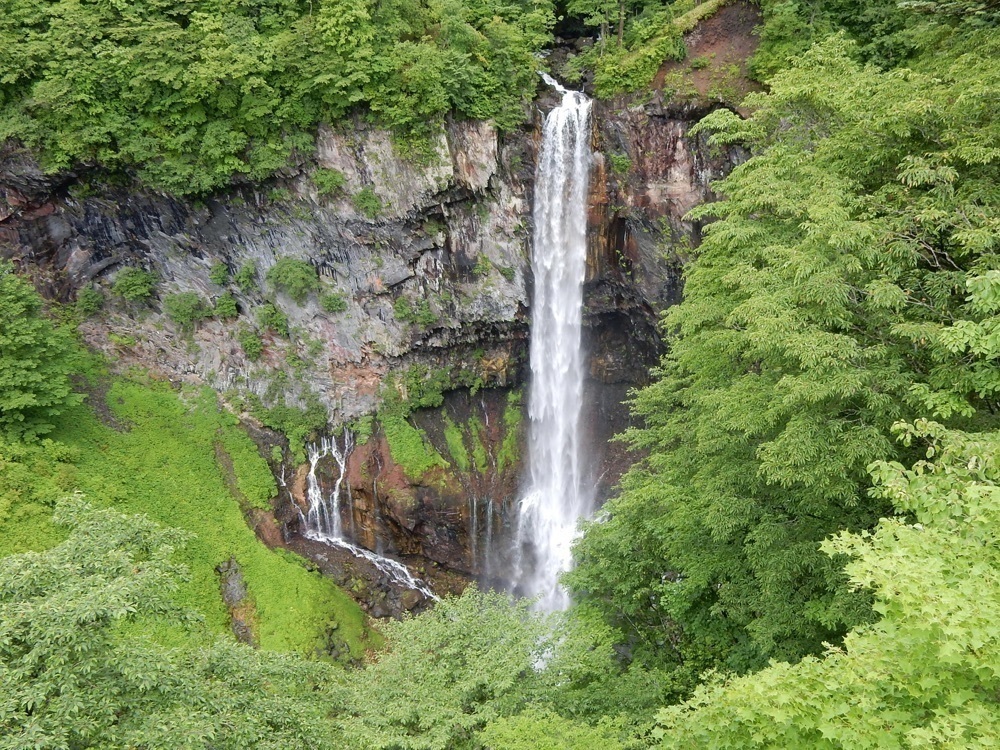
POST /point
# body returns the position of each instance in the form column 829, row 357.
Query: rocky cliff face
column 649, row 173
column 430, row 264
column 442, row 237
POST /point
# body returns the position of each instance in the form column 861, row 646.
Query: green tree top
column 847, row 284
column 444, row 675
column 36, row 359
column 73, row 672
column 191, row 94
column 925, row 675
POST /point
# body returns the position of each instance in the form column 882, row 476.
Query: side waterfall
column 321, row 522
column 556, row 498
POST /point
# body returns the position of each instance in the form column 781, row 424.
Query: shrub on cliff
column 226, row 307
column 297, row 278
column 271, row 318
column 134, row 285
column 333, row 302
column 89, row 301
column 368, row 203
column 185, row 309
column 36, row 359
column 251, row 342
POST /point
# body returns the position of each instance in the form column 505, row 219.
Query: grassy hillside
column 154, row 452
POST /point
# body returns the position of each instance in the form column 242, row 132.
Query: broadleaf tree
column 36, row 360
column 927, row 674
column 848, row 283
column 75, row 671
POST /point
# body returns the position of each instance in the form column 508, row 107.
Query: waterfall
column 321, row 522
column 323, row 516
column 555, row 498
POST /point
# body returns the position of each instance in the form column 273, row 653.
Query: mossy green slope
column 162, row 463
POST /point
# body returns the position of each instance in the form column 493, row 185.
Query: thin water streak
column 322, row 520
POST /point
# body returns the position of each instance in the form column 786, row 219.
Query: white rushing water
column 322, row 523
column 556, row 498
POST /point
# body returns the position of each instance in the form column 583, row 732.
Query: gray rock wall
column 452, row 235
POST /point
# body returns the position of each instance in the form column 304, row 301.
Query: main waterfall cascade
column 556, row 497
column 321, row 522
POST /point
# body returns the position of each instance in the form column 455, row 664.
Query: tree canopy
column 36, row 360
column 847, row 284
column 927, row 673
column 74, row 671
column 190, row 94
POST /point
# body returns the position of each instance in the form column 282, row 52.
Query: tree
column 75, row 671
column 543, row 730
column 444, row 675
column 831, row 299
column 189, row 96
column 36, row 359
column 600, row 13
column 927, row 674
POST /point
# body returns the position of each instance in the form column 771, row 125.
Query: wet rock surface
column 648, row 173
column 236, row 598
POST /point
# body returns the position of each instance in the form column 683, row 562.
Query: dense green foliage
column 75, row 670
column 225, row 307
column 928, row 673
column 849, row 283
column 468, row 675
column 185, row 309
column 35, row 361
column 297, row 278
column 333, row 302
column 444, row 676
column 191, row 94
column 74, row 674
column 846, row 294
column 648, row 35
column 134, row 284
